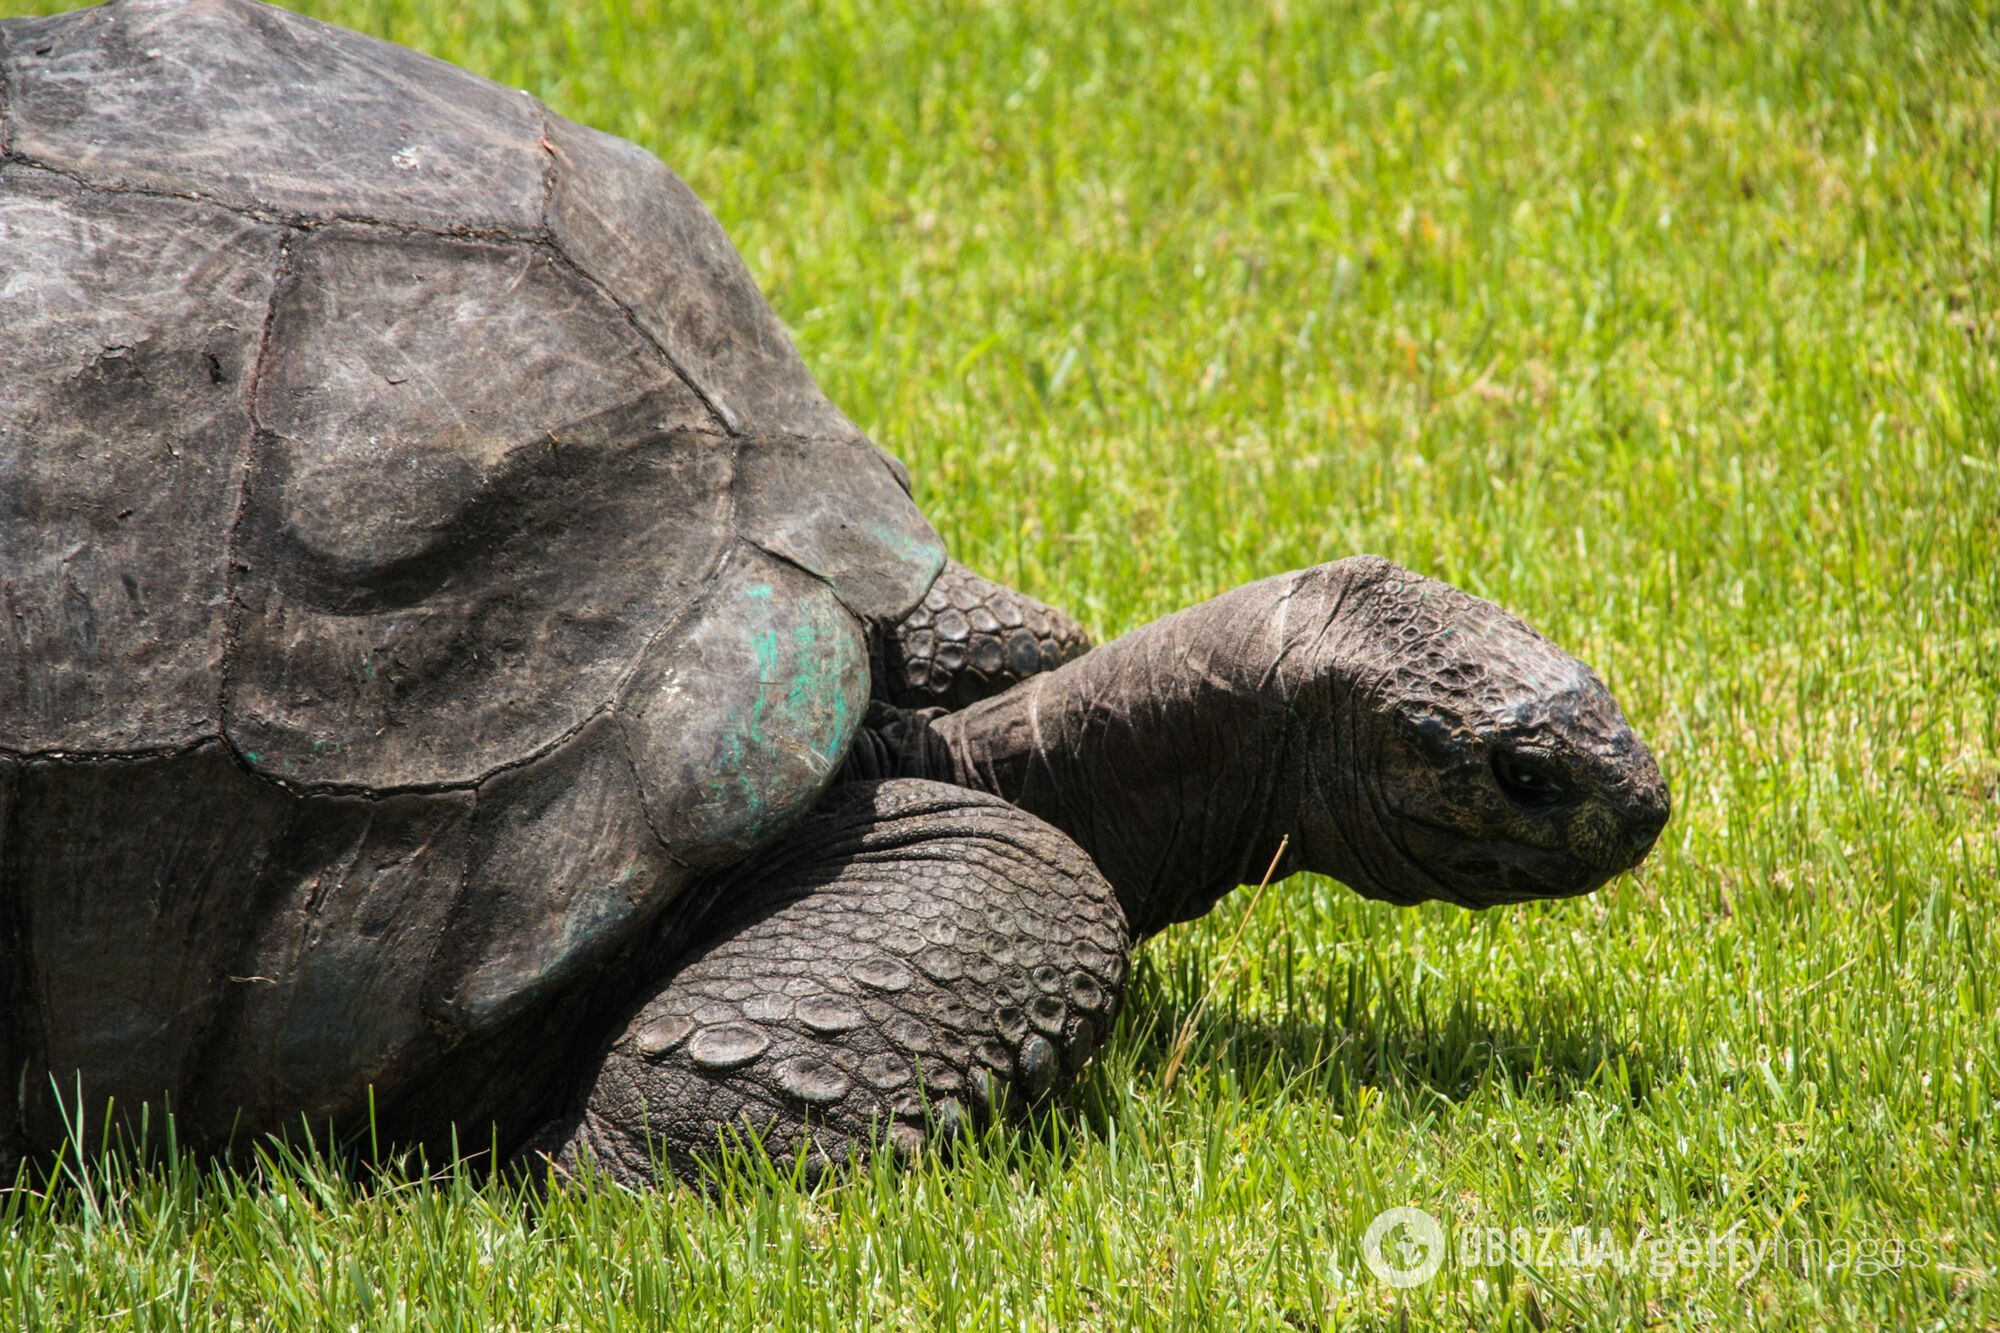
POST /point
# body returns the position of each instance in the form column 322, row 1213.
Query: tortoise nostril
column 1646, row 816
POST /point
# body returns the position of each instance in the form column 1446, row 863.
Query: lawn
column 1675, row 329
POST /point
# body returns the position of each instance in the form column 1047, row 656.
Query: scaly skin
column 969, row 639
column 913, row 958
column 1409, row 739
column 1386, row 722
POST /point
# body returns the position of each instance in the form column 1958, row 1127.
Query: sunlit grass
column 1675, row 329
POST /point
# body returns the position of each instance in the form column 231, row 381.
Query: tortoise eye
column 1528, row 779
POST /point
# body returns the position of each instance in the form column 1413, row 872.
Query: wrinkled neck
column 1169, row 754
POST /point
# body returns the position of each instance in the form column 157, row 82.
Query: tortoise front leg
column 968, row 640
column 915, row 956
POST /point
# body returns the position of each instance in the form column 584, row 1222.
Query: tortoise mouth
column 1491, row 872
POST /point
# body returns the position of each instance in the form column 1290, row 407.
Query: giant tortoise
column 460, row 677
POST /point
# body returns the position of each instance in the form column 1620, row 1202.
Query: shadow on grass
column 1357, row 1032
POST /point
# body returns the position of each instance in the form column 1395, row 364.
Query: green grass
column 1676, row 329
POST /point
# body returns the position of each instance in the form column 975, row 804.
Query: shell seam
column 138, row 755
column 632, row 319
column 686, row 614
column 232, row 640
column 299, row 787
column 437, row 1025
column 367, row 792
column 639, row 787
column 551, row 167
column 810, row 573
column 275, row 216
column 543, row 142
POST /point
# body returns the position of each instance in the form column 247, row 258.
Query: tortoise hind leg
column 970, row 638
column 912, row 956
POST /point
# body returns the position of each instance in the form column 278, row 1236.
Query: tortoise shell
column 423, row 553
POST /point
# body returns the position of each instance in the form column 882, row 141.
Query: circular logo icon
column 1404, row 1247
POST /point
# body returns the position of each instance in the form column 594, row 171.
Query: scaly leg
column 912, row 955
column 968, row 640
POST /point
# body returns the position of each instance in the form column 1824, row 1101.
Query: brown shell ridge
column 317, row 788
column 364, row 791
column 773, row 553
column 137, row 754
column 689, row 614
column 570, row 263
column 545, row 214
column 260, row 443
column 273, row 216
column 623, row 735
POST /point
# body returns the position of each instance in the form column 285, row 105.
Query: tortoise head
column 1480, row 763
column 1404, row 737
